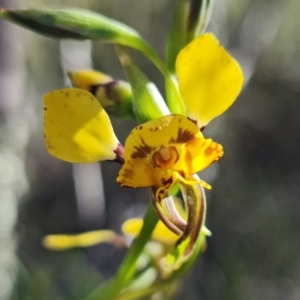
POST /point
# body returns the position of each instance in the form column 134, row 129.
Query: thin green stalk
column 193, row 191
column 109, row 290
column 174, row 99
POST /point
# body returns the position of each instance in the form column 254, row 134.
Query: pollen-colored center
column 165, row 157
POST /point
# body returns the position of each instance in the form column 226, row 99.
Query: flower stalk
column 127, row 269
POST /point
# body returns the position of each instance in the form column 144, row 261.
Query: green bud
column 75, row 24
column 114, row 95
column 147, row 102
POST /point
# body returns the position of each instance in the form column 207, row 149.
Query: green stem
column 177, row 33
column 194, row 195
column 174, row 99
column 127, row 270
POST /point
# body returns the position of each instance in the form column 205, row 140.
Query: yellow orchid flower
column 162, row 152
column 172, row 149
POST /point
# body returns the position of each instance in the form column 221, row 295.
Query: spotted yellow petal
column 77, row 128
column 139, row 172
column 209, row 79
column 165, row 131
column 198, row 154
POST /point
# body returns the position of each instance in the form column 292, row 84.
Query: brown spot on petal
column 128, row 173
column 160, row 194
column 183, row 136
column 167, row 182
column 142, row 150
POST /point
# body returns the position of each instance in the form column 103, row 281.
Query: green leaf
column 147, row 102
column 190, row 19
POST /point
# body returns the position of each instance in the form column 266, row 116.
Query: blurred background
column 253, row 208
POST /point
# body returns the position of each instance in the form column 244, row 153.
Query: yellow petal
column 139, row 172
column 86, row 79
column 94, row 82
column 161, row 233
column 198, row 154
column 209, row 79
column 61, row 242
column 77, row 128
column 144, row 140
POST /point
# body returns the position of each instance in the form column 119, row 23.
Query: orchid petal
column 132, row 227
column 77, row 128
column 61, row 242
column 198, row 154
column 209, row 79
